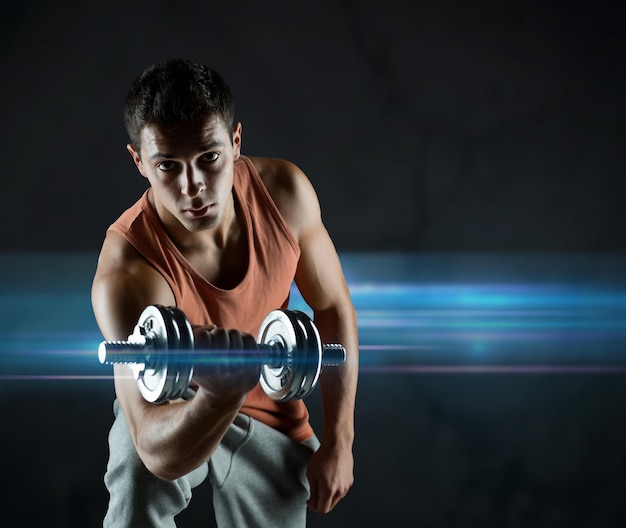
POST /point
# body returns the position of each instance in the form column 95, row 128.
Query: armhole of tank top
column 272, row 207
column 128, row 236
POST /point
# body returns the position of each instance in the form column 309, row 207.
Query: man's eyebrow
column 210, row 145
column 201, row 148
column 161, row 155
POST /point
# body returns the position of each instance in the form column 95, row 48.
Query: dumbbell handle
column 270, row 354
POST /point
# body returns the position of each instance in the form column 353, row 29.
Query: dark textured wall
column 442, row 125
column 424, row 126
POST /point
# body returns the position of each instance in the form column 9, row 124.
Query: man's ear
column 237, row 141
column 137, row 159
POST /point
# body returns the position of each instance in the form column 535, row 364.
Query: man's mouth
column 197, row 212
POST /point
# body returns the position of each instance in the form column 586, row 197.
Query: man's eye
column 210, row 156
column 166, row 165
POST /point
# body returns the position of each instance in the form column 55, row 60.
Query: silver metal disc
column 312, row 360
column 155, row 382
column 182, row 355
column 281, row 383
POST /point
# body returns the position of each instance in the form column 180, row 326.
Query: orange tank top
column 273, row 257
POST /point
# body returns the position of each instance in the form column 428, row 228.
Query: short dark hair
column 173, row 91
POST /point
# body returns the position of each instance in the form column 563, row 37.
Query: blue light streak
column 418, row 317
column 535, row 319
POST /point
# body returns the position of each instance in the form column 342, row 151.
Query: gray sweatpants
column 258, row 477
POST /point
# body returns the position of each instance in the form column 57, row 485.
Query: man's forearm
column 174, row 439
column 338, row 385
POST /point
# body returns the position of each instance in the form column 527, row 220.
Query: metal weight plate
column 155, row 382
column 282, row 383
column 181, row 356
column 312, row 360
column 300, row 356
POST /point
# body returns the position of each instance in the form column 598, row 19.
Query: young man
column 222, row 237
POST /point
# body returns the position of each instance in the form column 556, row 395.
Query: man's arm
column 321, row 282
column 172, row 439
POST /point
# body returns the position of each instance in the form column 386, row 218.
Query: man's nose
column 194, row 183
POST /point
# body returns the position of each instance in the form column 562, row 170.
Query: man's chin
column 201, row 224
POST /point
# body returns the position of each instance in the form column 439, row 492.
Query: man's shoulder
column 291, row 191
column 118, row 253
column 276, row 174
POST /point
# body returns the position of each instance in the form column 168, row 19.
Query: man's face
column 190, row 169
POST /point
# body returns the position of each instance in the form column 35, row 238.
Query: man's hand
column 331, row 475
column 225, row 379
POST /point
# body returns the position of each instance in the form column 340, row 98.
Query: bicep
column 319, row 276
column 121, row 290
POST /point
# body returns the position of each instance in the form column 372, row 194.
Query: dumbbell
column 161, row 354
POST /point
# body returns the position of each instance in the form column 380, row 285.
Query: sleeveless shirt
column 273, row 255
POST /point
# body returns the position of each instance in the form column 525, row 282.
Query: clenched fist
column 226, row 364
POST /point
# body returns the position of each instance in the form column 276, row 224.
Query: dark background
column 426, row 127
column 442, row 125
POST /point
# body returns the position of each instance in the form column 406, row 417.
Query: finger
column 202, row 338
column 221, row 339
column 235, row 346
column 235, row 340
column 249, row 342
column 324, row 501
column 313, row 498
column 335, row 500
column 208, row 342
column 203, row 328
column 242, row 349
